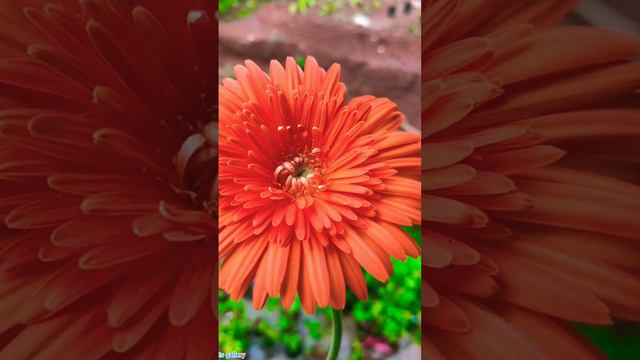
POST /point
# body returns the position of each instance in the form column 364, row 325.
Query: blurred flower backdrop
column 107, row 179
column 530, row 179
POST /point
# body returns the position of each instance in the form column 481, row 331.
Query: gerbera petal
column 488, row 326
column 570, row 208
column 338, row 295
column 449, row 211
column 353, row 276
column 562, row 53
column 315, row 260
column 563, row 93
column 292, row 274
column 550, row 337
column 191, row 290
column 543, row 290
column 448, row 316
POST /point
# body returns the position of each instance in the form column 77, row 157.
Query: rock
column 412, row 352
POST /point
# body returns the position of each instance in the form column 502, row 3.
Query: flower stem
column 336, row 320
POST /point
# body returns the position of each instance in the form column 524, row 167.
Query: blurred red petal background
column 107, row 179
column 529, row 179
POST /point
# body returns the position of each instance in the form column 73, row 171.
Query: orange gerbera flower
column 516, row 248
column 311, row 187
column 107, row 173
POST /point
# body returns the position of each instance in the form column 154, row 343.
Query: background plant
column 229, row 9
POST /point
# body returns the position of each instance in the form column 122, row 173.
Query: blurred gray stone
column 412, row 352
column 620, row 15
column 256, row 353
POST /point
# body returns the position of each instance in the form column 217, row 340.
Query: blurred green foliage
column 391, row 313
column 234, row 331
column 618, row 342
column 238, row 329
column 327, row 7
column 357, row 352
column 230, row 9
column 393, row 310
column 300, row 60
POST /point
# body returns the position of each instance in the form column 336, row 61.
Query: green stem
column 336, row 320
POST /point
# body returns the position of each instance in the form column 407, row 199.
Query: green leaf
column 618, row 342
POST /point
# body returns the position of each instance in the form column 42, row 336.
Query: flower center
column 300, row 174
column 304, row 171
